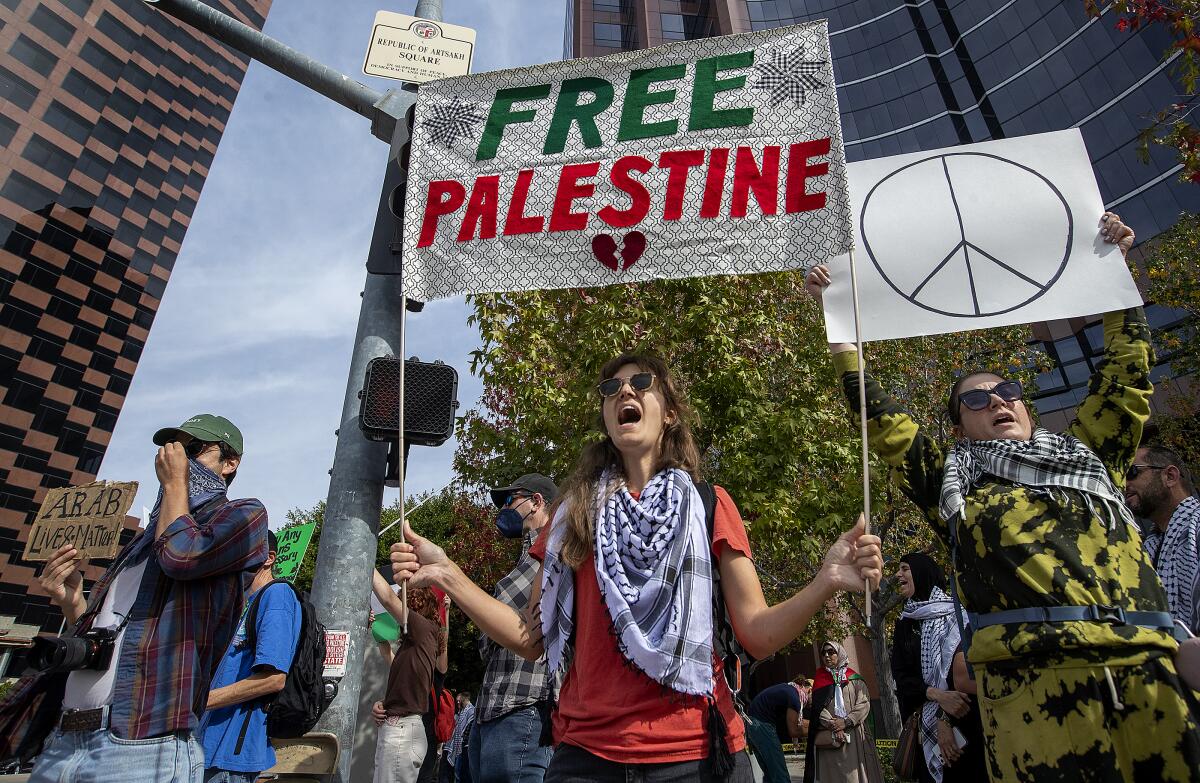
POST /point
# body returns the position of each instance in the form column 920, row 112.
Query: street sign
column 417, row 50
column 293, row 544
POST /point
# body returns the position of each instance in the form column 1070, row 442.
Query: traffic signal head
column 430, row 400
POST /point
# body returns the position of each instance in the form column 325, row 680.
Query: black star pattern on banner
column 449, row 122
column 787, row 76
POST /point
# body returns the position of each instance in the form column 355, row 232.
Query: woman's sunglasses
column 640, row 382
column 978, row 399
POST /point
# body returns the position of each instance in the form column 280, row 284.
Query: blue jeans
column 506, row 748
column 100, row 757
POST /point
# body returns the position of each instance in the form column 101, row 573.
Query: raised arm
column 915, row 459
column 1111, row 417
column 423, row 562
column 234, row 539
column 763, row 630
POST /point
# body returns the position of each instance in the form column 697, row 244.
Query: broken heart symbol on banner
column 604, row 247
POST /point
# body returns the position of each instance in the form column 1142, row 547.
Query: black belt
column 1111, row 615
column 84, row 720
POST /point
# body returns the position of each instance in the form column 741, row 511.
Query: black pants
column 575, row 765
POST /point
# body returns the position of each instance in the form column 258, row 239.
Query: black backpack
column 733, row 656
column 294, row 710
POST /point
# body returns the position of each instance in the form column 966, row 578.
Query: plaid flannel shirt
column 510, row 682
column 185, row 614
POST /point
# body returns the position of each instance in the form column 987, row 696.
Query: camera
column 92, row 650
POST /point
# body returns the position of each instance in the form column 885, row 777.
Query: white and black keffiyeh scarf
column 654, row 568
column 939, row 641
column 1042, row 463
column 1176, row 556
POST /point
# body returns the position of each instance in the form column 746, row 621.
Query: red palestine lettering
column 689, row 174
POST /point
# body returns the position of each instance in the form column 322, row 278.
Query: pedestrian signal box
column 430, row 400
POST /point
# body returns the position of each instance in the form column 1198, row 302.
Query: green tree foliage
column 773, row 429
column 1172, row 279
column 462, row 524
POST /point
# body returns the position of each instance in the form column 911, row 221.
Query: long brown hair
column 423, row 601
column 678, row 450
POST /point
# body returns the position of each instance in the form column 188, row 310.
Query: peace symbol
column 960, row 210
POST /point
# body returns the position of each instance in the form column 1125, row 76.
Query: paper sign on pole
column 714, row 156
column 417, row 50
column 337, row 644
column 992, row 234
column 87, row 517
column 293, row 544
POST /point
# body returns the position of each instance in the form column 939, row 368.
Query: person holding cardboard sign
column 166, row 609
column 1072, row 633
column 640, row 573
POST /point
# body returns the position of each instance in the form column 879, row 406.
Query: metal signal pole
column 348, row 536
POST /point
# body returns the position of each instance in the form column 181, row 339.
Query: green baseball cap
column 206, row 427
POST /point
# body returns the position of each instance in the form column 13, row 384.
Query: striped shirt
column 184, row 616
column 510, row 682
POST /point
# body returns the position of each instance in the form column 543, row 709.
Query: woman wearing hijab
column 1072, row 636
column 923, row 648
column 840, row 748
column 624, row 600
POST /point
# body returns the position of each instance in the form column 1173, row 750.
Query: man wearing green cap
column 171, row 599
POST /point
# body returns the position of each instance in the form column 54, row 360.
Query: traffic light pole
column 346, row 557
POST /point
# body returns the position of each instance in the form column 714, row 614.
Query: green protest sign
column 293, row 543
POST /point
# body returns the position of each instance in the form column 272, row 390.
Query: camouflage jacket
column 1019, row 548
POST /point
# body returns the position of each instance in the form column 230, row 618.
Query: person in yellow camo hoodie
column 1072, row 639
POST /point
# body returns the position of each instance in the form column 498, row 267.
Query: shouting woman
column 1072, row 636
column 624, row 601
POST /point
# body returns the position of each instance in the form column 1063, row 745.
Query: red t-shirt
column 612, row 710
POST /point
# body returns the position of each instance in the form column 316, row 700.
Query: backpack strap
column 250, row 640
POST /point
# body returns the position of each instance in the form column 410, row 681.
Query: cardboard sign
column 337, row 644
column 293, row 545
column 706, row 157
column 417, row 50
column 88, row 518
column 992, row 234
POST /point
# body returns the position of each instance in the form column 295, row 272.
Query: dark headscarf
column 906, row 639
column 926, row 574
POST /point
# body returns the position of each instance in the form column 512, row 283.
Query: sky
column 258, row 319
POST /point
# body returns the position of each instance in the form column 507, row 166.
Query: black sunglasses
column 640, row 381
column 195, row 448
column 508, row 500
column 978, row 399
column 1136, row 470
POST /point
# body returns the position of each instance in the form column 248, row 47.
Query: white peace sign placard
column 981, row 235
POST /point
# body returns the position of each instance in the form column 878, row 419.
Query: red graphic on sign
column 604, row 247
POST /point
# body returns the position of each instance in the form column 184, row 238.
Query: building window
column 49, row 157
column 672, row 27
column 52, row 25
column 607, row 6
column 67, row 122
column 32, row 55
column 613, row 36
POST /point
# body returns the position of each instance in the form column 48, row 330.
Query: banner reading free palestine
column 706, row 157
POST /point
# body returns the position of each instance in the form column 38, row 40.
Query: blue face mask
column 510, row 522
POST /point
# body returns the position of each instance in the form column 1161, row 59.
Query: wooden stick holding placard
column 862, row 415
column 87, row 517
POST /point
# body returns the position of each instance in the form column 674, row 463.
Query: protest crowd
column 613, row 647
